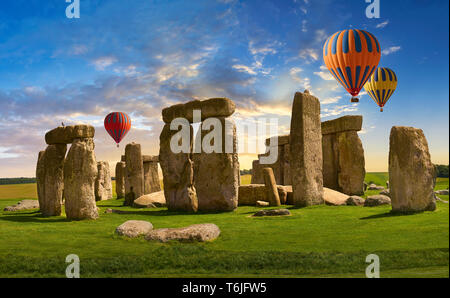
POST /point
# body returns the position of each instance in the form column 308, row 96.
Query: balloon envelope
column 117, row 124
column 381, row 85
column 352, row 56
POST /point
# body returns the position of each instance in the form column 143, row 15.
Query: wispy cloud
column 103, row 62
column 391, row 50
column 382, row 24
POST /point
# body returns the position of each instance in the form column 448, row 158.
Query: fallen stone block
column 193, row 233
column 134, row 228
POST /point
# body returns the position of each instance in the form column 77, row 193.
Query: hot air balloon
column 352, row 56
column 117, row 124
column 381, row 85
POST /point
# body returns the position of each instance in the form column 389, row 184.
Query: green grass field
column 319, row 241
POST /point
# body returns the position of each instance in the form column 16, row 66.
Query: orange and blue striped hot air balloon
column 352, row 56
column 117, row 124
column 381, row 85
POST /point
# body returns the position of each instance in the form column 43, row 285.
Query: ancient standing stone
column 330, row 161
column 351, row 163
column 178, row 174
column 216, row 175
column 306, row 151
column 257, row 177
column 151, row 177
column 213, row 107
column 80, row 172
column 103, row 185
column 271, row 187
column 66, row 134
column 134, row 169
column 40, row 177
column 120, row 179
column 52, row 190
column 287, row 176
column 411, row 172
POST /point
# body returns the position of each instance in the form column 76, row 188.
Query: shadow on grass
column 390, row 214
column 24, row 217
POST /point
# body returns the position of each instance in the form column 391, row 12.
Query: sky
column 140, row 56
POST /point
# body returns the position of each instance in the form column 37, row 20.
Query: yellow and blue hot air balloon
column 352, row 56
column 381, row 85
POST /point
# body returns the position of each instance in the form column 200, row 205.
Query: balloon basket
column 117, row 145
column 381, row 109
column 354, row 99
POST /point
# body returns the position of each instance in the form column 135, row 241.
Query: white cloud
column 103, row 62
column 330, row 100
column 309, row 54
column 244, row 68
column 305, row 82
column 383, row 24
column 337, row 110
column 391, row 50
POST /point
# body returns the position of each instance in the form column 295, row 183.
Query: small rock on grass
column 273, row 212
column 193, row 233
column 134, row 228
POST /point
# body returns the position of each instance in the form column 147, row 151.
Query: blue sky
column 140, row 56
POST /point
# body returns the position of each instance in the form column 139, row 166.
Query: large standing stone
column 66, row 134
column 178, row 174
column 120, row 179
column 40, row 176
column 52, row 190
column 216, row 175
column 271, row 187
column 330, row 161
column 411, row 172
column 213, row 107
column 80, row 172
column 306, row 151
column 103, row 185
column 134, row 170
column 151, row 177
column 257, row 177
column 287, row 176
column 351, row 163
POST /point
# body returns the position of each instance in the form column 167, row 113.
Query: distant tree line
column 246, row 172
column 442, row 171
column 20, row 180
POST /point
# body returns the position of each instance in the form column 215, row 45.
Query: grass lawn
column 319, row 241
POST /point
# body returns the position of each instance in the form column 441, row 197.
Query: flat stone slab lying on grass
column 375, row 187
column 262, row 204
column 377, row 200
column 23, row 205
column 355, row 201
column 153, row 200
column 273, row 212
column 442, row 192
column 193, row 233
column 334, row 198
column 134, row 228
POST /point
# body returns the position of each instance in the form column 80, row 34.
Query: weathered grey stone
column 80, row 172
column 134, row 228
column 442, row 192
column 150, row 158
column 330, row 161
column 345, row 123
column 274, row 212
column 281, row 140
column 351, row 163
column 257, row 177
column 152, row 200
column 412, row 175
column 355, row 201
column 52, row 191
column 151, row 177
column 334, row 198
column 66, row 134
column 306, row 151
column 23, row 205
column 134, row 170
column 385, row 192
column 277, row 166
column 262, row 204
column 213, row 107
column 286, row 166
column 377, row 200
column 373, row 186
column 271, row 187
column 178, row 174
column 40, row 176
column 251, row 193
column 193, row 233
column 120, row 179
column 103, row 185
column 216, row 175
